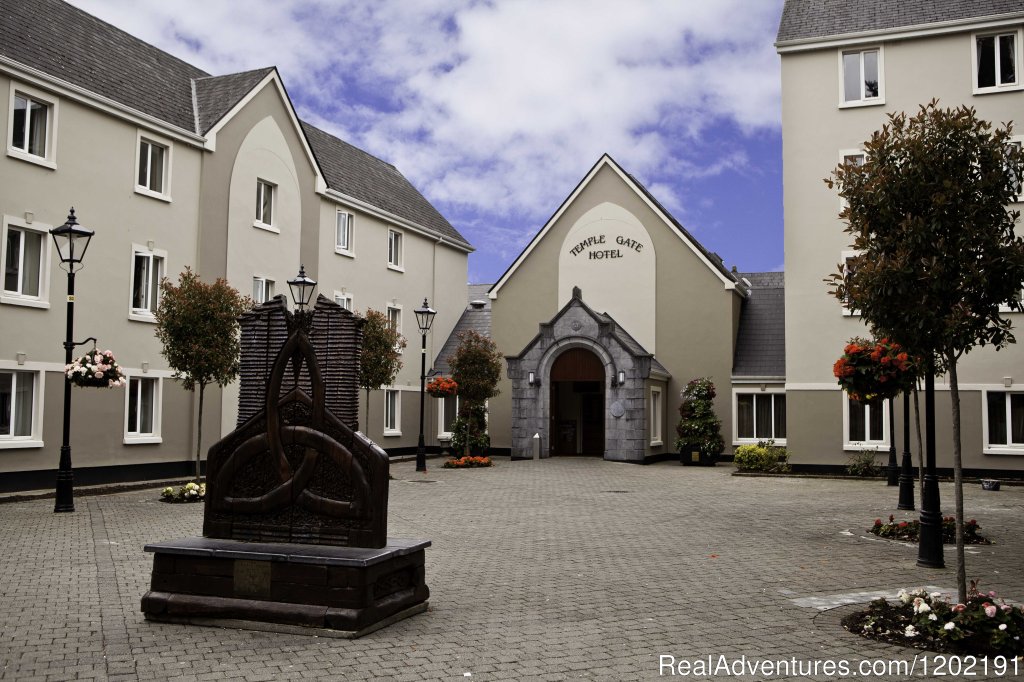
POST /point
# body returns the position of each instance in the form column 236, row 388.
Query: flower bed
column 190, row 492
column 911, row 530
column 924, row 620
column 468, row 462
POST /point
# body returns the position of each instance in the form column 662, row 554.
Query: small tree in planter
column 700, row 429
column 476, row 369
column 380, row 357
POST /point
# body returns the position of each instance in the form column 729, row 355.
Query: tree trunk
column 199, row 430
column 469, row 430
column 958, row 480
column 920, row 446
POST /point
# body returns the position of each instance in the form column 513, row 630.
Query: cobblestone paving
column 549, row 570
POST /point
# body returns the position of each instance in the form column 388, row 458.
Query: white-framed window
column 26, row 261
column 153, row 166
column 265, row 192
column 394, row 313
column 1004, row 421
column 262, row 289
column 21, row 407
column 142, row 406
column 1005, row 308
column 861, row 77
column 855, row 157
column 656, row 420
column 865, row 427
column 848, row 267
column 395, row 259
column 147, row 271
column 343, row 233
column 759, row 415
column 447, row 412
column 392, row 412
column 343, row 299
column 32, row 133
column 996, row 61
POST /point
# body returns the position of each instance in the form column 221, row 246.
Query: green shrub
column 863, row 464
column 766, row 456
column 698, row 424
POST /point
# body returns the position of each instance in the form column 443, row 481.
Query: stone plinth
column 324, row 590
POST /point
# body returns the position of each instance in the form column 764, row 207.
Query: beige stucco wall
column 693, row 311
column 96, row 173
column 815, row 130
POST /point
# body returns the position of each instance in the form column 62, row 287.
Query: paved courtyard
column 549, row 570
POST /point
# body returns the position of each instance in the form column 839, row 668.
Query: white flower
column 935, row 595
column 949, row 626
column 921, row 606
column 932, row 616
column 1002, row 626
column 911, row 631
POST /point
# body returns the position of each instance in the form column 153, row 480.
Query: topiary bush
column 699, row 426
column 763, row 457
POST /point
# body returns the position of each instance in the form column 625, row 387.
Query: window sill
column 857, row 104
column 142, row 317
column 778, row 441
column 31, row 158
column 444, row 437
column 142, row 440
column 14, row 299
column 147, row 192
column 657, row 443
column 17, row 443
column 396, row 268
column 263, row 226
column 1004, row 450
column 995, row 90
column 874, row 447
column 392, row 434
column 344, row 252
column 850, row 313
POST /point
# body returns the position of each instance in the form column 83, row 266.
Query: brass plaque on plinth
column 252, row 578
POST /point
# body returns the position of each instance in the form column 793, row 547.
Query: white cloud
column 496, row 110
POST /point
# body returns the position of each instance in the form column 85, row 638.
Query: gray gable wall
column 809, row 19
column 64, row 42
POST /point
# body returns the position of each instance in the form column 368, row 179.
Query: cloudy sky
column 496, row 110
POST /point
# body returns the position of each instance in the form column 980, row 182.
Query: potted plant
column 700, row 429
column 96, row 369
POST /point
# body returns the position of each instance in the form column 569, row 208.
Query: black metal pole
column 892, row 471
column 906, row 467
column 421, row 453
column 65, row 477
column 929, row 548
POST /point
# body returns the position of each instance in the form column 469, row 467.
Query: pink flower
column 98, row 375
column 958, row 608
column 108, row 353
column 992, row 594
column 990, row 610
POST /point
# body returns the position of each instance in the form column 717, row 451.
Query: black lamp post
column 424, row 318
column 929, row 547
column 71, row 240
column 302, row 289
column 906, row 467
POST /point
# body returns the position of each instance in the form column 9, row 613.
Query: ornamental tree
column 197, row 325
column 476, row 368
column 938, row 255
column 380, row 357
column 698, row 423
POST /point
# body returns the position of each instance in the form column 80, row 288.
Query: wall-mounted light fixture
column 531, row 379
column 622, row 377
column 21, row 358
column 145, row 367
column 1007, row 381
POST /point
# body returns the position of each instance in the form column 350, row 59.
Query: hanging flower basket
column 96, row 369
column 442, row 387
column 873, row 371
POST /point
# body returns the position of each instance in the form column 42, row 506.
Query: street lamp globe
column 71, row 240
column 302, row 288
column 424, row 317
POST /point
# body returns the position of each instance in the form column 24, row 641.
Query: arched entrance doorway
column 577, row 404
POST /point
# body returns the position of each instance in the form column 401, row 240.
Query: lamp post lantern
column 72, row 241
column 424, row 318
column 302, row 289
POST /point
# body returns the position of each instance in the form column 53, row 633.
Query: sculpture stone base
column 336, row 591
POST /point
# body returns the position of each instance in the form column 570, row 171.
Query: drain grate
column 616, row 491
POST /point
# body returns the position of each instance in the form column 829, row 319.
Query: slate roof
column 71, row 45
column 362, row 176
column 215, row 95
column 476, row 319
column 761, row 338
column 809, row 19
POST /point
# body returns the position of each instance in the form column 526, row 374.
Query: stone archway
column 577, row 403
